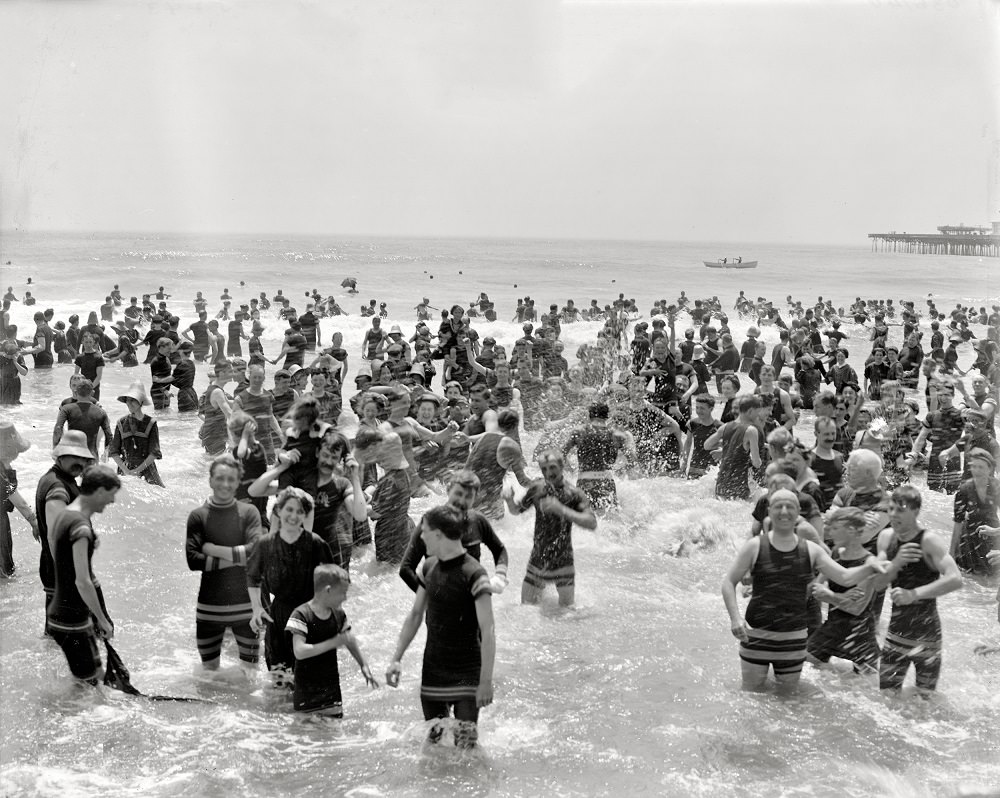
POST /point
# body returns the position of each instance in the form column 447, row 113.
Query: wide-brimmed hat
column 11, row 442
column 395, row 330
column 73, row 444
column 135, row 391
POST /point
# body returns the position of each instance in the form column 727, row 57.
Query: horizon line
column 414, row 236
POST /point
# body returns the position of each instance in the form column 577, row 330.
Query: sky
column 813, row 122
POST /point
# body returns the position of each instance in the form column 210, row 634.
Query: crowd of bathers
column 443, row 412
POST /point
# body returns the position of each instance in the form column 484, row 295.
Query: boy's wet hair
column 508, row 420
column 749, row 402
column 96, row 477
column 446, row 520
column 854, row 517
column 228, row 461
column 328, row 575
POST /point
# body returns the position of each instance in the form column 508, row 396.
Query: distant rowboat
column 718, row 264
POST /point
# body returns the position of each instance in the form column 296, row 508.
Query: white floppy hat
column 73, row 443
column 135, row 391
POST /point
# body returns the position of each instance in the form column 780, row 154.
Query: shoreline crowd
column 444, row 411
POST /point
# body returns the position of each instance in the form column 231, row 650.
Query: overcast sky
column 813, row 122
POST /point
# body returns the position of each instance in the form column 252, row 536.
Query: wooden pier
column 949, row 240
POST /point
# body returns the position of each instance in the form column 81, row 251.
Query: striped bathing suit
column 776, row 616
column 223, row 599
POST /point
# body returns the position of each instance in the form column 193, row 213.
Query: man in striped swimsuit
column 220, row 536
column 782, row 565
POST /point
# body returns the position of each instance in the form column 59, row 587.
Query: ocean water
column 633, row 692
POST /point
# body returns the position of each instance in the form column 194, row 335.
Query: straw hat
column 74, row 444
column 11, row 442
column 135, row 391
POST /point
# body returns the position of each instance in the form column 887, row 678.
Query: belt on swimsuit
column 595, row 475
